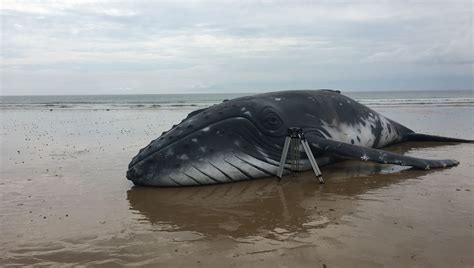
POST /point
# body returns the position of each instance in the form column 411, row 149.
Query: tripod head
column 295, row 133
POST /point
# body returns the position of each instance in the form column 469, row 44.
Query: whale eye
column 271, row 120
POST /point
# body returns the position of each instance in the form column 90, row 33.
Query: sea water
column 155, row 101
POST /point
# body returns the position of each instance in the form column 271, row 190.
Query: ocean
column 155, row 101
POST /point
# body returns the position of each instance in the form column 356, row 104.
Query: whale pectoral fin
column 350, row 151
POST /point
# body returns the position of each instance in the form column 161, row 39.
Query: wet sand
column 65, row 201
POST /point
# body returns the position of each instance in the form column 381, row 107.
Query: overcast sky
column 115, row 47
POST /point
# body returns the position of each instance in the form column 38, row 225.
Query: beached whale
column 242, row 139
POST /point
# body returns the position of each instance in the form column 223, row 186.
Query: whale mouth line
column 149, row 154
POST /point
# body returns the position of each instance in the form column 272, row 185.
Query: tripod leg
column 294, row 153
column 283, row 157
column 313, row 162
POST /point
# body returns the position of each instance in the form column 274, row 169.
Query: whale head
column 235, row 140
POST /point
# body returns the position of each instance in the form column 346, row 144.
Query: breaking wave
column 177, row 101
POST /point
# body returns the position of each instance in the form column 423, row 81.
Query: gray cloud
column 87, row 47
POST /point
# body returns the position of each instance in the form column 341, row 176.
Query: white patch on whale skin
column 206, row 129
column 387, row 136
column 243, row 109
column 277, row 99
column 343, row 132
column 248, row 113
column 194, row 140
column 183, row 157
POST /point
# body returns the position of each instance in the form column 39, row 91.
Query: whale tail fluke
column 426, row 137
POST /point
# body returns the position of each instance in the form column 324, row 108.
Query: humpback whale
column 242, row 139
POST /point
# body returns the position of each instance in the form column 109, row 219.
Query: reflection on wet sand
column 257, row 207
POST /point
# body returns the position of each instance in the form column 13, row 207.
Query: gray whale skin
column 242, row 139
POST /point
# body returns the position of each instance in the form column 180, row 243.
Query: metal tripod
column 294, row 138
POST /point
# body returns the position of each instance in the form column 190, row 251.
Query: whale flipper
column 350, row 151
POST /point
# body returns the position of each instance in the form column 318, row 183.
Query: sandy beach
column 65, row 200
